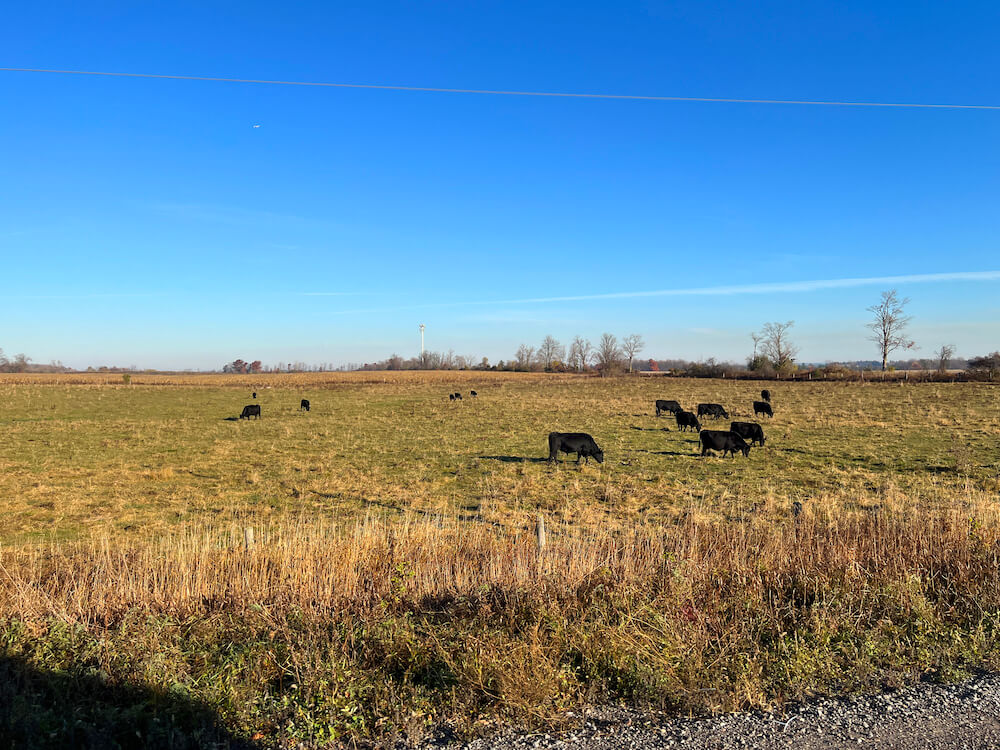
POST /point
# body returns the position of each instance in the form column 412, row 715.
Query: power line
column 495, row 92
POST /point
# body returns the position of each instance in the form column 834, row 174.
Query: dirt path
column 966, row 715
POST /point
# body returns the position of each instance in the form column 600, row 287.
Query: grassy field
column 394, row 582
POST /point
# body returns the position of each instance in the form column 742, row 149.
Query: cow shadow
column 668, row 453
column 80, row 708
column 516, row 459
column 231, row 419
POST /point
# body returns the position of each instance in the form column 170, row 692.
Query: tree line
column 773, row 353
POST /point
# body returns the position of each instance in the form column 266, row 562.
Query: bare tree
column 944, row 355
column 20, row 363
column 580, row 352
column 757, row 361
column 632, row 345
column 776, row 346
column 609, row 355
column 550, row 351
column 524, row 356
column 889, row 326
column 988, row 364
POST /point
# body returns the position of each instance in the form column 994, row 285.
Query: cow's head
column 599, row 456
column 746, row 450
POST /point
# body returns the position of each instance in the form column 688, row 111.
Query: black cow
column 686, row 419
column 718, row 440
column 254, row 394
column 672, row 406
column 251, row 410
column 762, row 407
column 458, row 396
column 712, row 410
column 304, row 404
column 451, row 396
column 473, row 394
column 580, row 443
column 766, row 395
column 748, row 431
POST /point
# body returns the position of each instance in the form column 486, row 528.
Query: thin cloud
column 781, row 286
column 813, row 285
column 327, row 294
column 137, row 295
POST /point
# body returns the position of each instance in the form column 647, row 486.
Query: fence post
column 247, row 538
column 540, row 532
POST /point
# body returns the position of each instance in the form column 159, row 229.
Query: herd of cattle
column 584, row 446
column 726, row 441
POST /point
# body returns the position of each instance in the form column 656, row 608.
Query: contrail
column 501, row 92
column 781, row 287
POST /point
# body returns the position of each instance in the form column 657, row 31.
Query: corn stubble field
column 394, row 584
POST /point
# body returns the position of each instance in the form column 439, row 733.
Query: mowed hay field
column 394, row 583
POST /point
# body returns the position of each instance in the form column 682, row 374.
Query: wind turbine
column 421, row 341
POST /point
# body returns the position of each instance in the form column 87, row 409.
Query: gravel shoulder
column 965, row 715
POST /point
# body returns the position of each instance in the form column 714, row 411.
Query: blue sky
column 149, row 222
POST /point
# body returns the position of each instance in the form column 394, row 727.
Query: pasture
column 394, row 584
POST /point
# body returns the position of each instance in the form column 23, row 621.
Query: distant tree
column 757, row 362
column 580, row 352
column 988, row 365
column 631, row 346
column 256, row 366
column 776, row 346
column 653, row 366
column 525, row 355
column 3, row 360
column 395, row 362
column 19, row 363
column 889, row 325
column 943, row 356
column 609, row 355
column 550, row 351
column 484, row 364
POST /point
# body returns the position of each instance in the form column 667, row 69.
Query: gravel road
column 966, row 715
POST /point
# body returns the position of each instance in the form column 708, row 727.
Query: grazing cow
column 473, row 394
column 748, row 431
column 672, row 406
column 451, row 396
column 766, row 395
column 304, row 404
column 686, row 419
column 712, row 410
column 718, row 440
column 762, row 407
column 580, row 443
column 251, row 410
column 458, row 396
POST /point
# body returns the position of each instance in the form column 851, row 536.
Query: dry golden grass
column 394, row 582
